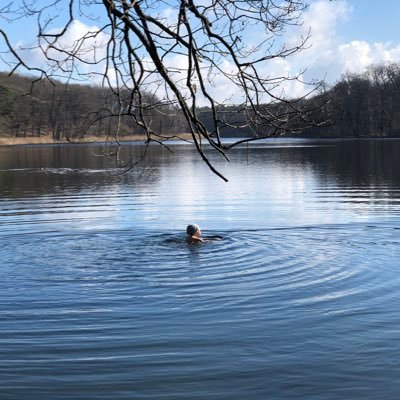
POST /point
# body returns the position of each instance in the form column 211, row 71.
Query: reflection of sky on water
column 268, row 187
column 270, row 190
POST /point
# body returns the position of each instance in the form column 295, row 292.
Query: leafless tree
column 186, row 52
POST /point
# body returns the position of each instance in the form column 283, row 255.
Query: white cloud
column 79, row 39
column 356, row 56
column 322, row 19
column 319, row 59
column 329, row 55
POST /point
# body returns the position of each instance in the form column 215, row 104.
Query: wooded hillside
column 67, row 111
column 363, row 105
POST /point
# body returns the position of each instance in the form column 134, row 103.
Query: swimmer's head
column 192, row 229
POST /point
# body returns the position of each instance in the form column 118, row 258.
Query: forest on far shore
column 362, row 105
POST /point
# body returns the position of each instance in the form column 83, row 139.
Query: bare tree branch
column 186, row 53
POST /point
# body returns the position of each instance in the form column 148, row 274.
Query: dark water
column 101, row 298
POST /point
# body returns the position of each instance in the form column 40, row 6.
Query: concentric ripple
column 297, row 296
column 145, row 301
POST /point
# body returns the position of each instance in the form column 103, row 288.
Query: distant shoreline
column 18, row 141
column 40, row 140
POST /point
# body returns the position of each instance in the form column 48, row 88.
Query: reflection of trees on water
column 48, row 169
column 365, row 164
column 359, row 164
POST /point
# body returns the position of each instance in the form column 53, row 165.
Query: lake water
column 101, row 298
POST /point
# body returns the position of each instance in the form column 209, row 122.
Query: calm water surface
column 101, row 298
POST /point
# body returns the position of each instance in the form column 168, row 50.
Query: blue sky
column 347, row 36
column 372, row 21
column 369, row 20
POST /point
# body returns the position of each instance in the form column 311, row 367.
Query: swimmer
column 194, row 234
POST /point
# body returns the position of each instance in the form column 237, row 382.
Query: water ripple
column 101, row 296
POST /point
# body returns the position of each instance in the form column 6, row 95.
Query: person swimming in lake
column 194, row 233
